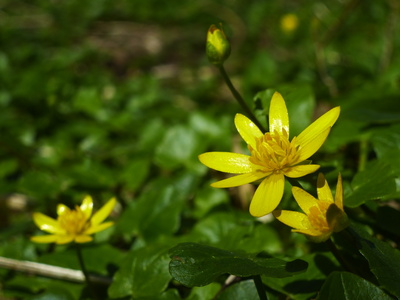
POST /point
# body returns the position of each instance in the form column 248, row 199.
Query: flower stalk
column 85, row 272
column 238, row 97
column 260, row 287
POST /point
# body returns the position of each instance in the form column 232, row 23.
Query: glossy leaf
column 197, row 265
column 347, row 286
column 375, row 182
column 245, row 289
column 383, row 259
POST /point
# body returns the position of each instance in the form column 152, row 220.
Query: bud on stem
column 218, row 47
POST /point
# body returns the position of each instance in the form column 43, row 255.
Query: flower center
column 73, row 221
column 274, row 152
column 318, row 216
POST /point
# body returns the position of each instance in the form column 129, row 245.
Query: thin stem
column 85, row 272
column 260, row 287
column 239, row 98
column 339, row 257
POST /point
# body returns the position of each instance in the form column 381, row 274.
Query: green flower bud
column 218, row 47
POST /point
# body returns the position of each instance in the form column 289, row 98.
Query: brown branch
column 40, row 269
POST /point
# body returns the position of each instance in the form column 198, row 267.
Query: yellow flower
column 273, row 156
column 322, row 217
column 289, row 23
column 73, row 225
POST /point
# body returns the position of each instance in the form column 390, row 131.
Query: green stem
column 260, row 287
column 339, row 257
column 239, row 98
column 85, row 272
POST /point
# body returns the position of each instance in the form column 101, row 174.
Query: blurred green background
column 117, row 98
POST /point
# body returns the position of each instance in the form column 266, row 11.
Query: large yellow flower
column 273, row 156
column 73, row 225
column 321, row 217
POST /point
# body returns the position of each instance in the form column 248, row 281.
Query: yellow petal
column 47, row 224
column 227, row 162
column 61, row 209
column 303, row 199
column 97, row 228
column 104, row 212
column 278, row 115
column 339, row 193
column 268, row 195
column 300, row 170
column 87, row 206
column 293, row 219
column 83, row 239
column 64, row 239
column 323, row 190
column 312, row 138
column 247, row 130
column 239, row 180
column 313, row 233
column 44, row 238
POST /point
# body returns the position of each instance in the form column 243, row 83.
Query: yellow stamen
column 274, row 152
column 73, row 221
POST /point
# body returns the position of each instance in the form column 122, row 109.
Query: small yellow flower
column 218, row 47
column 73, row 225
column 289, row 23
column 321, row 217
column 273, row 156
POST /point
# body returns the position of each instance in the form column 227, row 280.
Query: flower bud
column 218, row 47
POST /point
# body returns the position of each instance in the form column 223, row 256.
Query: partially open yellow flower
column 321, row 217
column 273, row 156
column 73, row 225
column 218, row 47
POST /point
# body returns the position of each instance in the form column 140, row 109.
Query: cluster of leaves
column 116, row 98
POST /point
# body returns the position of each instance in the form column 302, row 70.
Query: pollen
column 73, row 221
column 274, row 152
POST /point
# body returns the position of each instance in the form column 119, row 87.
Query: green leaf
column 157, row 211
column 207, row 198
column 375, row 182
column 197, row 265
column 144, row 273
column 204, row 292
column 178, row 147
column 245, row 289
column 383, row 259
column 305, row 286
column 386, row 139
column 347, row 286
column 171, row 294
column 135, row 172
